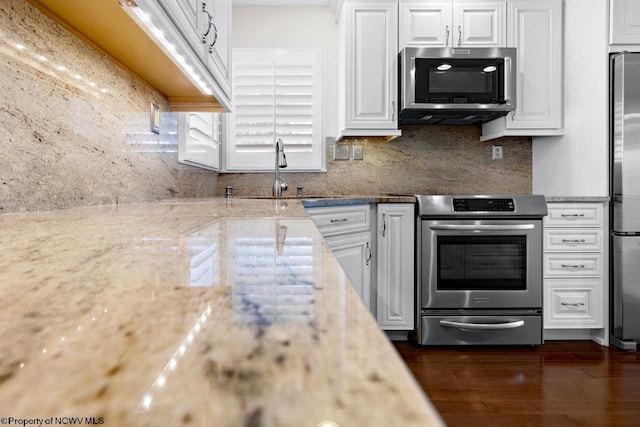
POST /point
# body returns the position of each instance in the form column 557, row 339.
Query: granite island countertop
column 209, row 312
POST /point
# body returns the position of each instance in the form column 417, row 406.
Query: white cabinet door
column 425, row 23
column 354, row 254
column 624, row 24
column 534, row 28
column 216, row 23
column 479, row 23
column 371, row 49
column 395, row 266
column 452, row 23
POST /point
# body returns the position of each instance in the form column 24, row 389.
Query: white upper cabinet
column 215, row 22
column 452, row 23
column 370, row 36
column 206, row 25
column 624, row 25
column 479, row 23
column 535, row 29
column 425, row 23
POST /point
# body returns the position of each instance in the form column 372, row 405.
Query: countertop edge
column 577, row 199
column 354, row 200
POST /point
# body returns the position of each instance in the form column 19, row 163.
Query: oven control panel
column 483, row 205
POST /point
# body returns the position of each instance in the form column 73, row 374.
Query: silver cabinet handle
column 368, row 253
column 215, row 37
column 573, row 266
column 210, row 19
column 472, row 227
column 459, row 35
column 572, row 304
column 384, row 225
column 339, row 220
column 446, row 29
column 482, row 326
column 210, row 24
column 572, row 215
column 573, row 240
column 393, row 111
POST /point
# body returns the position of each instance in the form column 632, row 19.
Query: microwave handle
column 507, row 79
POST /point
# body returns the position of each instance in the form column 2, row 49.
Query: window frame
column 304, row 157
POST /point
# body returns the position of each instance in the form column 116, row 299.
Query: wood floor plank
column 559, row 383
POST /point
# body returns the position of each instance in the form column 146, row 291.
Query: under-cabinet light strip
column 144, row 20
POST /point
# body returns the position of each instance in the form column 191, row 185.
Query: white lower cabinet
column 574, row 266
column 395, row 266
column 379, row 265
column 347, row 231
column 354, row 254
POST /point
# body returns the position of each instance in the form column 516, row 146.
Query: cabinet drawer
column 572, row 264
column 573, row 303
column 573, row 240
column 574, row 215
column 342, row 219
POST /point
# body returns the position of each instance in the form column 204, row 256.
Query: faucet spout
column 279, row 185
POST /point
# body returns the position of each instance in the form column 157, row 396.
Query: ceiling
column 281, row 2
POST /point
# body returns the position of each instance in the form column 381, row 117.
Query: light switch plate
column 358, row 152
column 155, row 118
column 340, row 152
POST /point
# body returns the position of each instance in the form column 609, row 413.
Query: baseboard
column 397, row 335
column 595, row 335
column 566, row 334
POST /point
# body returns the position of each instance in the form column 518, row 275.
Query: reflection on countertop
column 225, row 312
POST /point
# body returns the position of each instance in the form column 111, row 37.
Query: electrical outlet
column 496, row 152
column 358, row 152
column 340, row 152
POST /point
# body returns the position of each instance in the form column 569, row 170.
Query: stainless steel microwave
column 456, row 85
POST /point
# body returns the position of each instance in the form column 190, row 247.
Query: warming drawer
column 481, row 330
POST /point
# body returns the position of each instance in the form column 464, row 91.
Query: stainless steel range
column 480, row 270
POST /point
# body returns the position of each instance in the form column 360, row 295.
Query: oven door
column 481, row 264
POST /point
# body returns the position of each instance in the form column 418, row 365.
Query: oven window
column 482, row 262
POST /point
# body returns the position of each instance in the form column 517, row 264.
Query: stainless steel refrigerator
column 625, row 191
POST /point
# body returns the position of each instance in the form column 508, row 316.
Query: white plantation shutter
column 199, row 137
column 291, row 79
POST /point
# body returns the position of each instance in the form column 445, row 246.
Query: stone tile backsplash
column 75, row 128
column 424, row 160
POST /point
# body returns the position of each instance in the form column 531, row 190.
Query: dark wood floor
column 558, row 384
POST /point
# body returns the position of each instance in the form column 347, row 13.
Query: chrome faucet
column 279, row 185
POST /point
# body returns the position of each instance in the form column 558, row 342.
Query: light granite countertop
column 208, row 312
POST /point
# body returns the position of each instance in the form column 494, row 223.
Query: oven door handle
column 482, row 326
column 472, row 227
